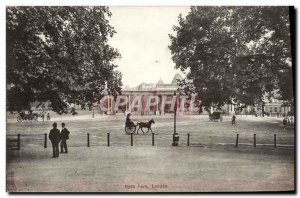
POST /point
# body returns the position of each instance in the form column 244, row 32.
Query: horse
column 145, row 125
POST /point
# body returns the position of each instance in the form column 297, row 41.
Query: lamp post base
column 175, row 139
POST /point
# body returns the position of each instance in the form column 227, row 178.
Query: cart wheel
column 130, row 129
column 19, row 119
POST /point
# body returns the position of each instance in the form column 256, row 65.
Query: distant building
column 275, row 107
column 164, row 92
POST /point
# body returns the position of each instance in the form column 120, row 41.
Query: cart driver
column 128, row 120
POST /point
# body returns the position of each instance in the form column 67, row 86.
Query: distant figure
column 128, row 120
column 73, row 111
column 233, row 120
column 64, row 137
column 54, row 137
column 43, row 116
column 48, row 116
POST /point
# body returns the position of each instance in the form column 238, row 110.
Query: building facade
column 162, row 94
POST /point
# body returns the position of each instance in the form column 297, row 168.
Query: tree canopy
column 58, row 54
column 234, row 52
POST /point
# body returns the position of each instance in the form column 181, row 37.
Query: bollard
column 152, row 139
column 275, row 140
column 88, row 140
column 108, row 142
column 18, row 142
column 237, row 140
column 45, row 141
column 188, row 139
column 254, row 140
column 131, row 138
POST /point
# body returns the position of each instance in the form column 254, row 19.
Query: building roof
column 160, row 81
column 159, row 86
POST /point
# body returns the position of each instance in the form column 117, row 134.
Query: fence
column 18, row 141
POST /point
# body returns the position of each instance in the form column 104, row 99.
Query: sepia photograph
column 150, row 99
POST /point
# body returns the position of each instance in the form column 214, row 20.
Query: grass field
column 211, row 163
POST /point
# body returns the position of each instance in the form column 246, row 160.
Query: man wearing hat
column 64, row 137
column 128, row 120
column 54, row 137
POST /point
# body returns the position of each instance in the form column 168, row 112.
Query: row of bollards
column 88, row 140
column 131, row 140
column 108, row 139
column 254, row 142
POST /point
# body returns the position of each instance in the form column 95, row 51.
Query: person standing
column 64, row 137
column 43, row 116
column 233, row 121
column 48, row 116
column 54, row 137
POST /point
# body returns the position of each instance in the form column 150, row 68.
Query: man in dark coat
column 54, row 137
column 128, row 120
column 64, row 137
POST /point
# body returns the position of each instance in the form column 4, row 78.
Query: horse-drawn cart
column 215, row 116
column 144, row 126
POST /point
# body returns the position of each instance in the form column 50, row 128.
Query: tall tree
column 234, row 52
column 58, row 54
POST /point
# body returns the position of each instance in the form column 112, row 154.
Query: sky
column 142, row 40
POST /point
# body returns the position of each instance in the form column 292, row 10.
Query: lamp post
column 93, row 104
column 175, row 112
column 175, row 134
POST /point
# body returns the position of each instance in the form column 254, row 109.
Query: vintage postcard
column 150, row 99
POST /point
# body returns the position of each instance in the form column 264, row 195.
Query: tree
column 234, row 52
column 58, row 54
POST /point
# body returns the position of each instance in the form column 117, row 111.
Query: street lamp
column 175, row 134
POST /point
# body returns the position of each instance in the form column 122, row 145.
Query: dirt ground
column 135, row 169
column 210, row 163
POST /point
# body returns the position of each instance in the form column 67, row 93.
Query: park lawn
column 200, row 129
column 210, row 163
